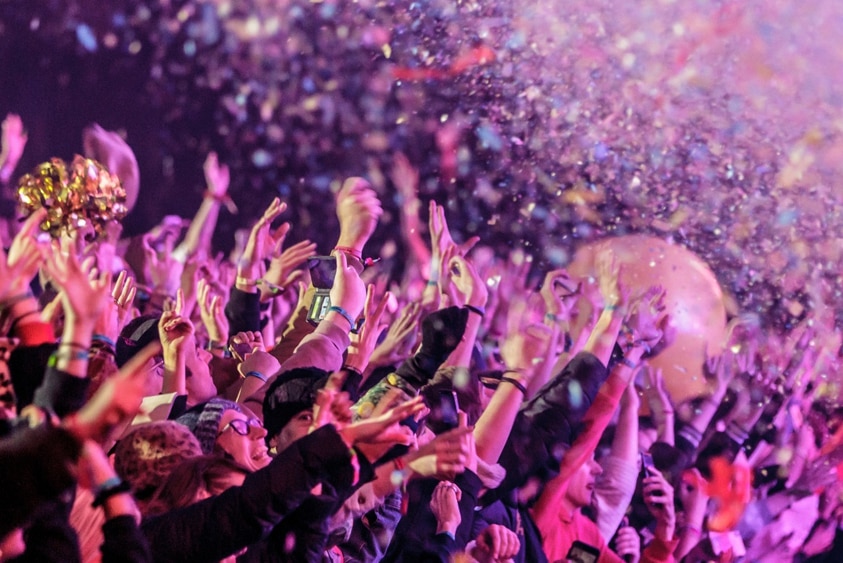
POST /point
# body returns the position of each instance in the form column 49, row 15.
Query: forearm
column 625, row 442
column 602, row 339
column 492, row 429
column 175, row 373
column 706, row 411
column 667, row 428
column 72, row 355
column 547, row 367
column 201, row 228
column 461, row 356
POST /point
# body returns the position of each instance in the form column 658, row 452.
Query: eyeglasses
column 241, row 426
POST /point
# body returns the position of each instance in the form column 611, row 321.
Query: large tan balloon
column 694, row 301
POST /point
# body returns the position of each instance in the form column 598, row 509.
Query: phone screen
column 322, row 271
column 647, row 464
column 582, row 553
column 444, row 412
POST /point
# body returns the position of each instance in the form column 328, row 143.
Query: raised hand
column 284, row 270
column 163, row 272
column 463, row 285
column 559, row 293
column 211, row 308
column 251, row 262
column 25, row 257
column 123, row 293
column 383, row 428
column 12, row 143
column 176, row 334
column 608, row 279
column 348, row 291
column 647, row 321
column 111, row 150
column 400, row 339
column 217, row 176
column 358, row 210
column 364, row 342
column 440, row 235
column 525, row 347
column 84, row 291
column 406, row 180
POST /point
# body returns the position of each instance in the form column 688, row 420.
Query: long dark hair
column 186, row 480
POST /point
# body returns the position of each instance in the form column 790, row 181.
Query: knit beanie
column 203, row 421
column 146, row 455
column 292, row 392
column 135, row 336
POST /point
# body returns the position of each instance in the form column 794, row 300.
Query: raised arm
column 198, row 237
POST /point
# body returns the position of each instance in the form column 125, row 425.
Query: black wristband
column 476, row 310
column 110, row 488
column 518, row 385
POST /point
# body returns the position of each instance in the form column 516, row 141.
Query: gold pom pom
column 84, row 193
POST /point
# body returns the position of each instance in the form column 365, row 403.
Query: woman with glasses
column 229, row 429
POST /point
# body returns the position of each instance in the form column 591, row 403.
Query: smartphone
column 647, row 464
column 239, row 350
column 581, row 552
column 322, row 271
column 444, row 412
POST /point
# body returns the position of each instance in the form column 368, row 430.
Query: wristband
column 109, row 488
column 256, row 374
column 213, row 345
column 225, row 199
column 347, row 367
column 272, row 288
column 610, row 307
column 551, row 317
column 73, row 345
column 518, row 385
column 72, row 356
column 349, row 250
column 476, row 310
column 432, row 283
column 104, row 339
column 344, row 313
column 629, row 363
column 240, row 280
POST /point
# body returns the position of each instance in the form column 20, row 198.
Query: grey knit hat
column 204, row 421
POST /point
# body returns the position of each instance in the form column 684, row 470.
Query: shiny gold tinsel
column 76, row 196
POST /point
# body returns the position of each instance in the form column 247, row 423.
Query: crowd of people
column 161, row 402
